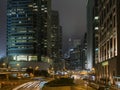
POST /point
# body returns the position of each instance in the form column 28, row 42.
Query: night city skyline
column 72, row 19
column 60, row 44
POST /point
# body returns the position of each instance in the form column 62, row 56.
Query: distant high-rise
column 90, row 34
column 28, row 24
column 76, row 42
column 83, row 52
column 56, row 39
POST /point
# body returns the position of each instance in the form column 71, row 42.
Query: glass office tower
column 27, row 27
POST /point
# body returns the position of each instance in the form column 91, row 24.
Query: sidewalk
column 82, row 85
column 93, row 85
column 96, row 86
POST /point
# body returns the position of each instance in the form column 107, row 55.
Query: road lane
column 82, row 85
column 33, row 85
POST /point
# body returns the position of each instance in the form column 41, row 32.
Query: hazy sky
column 72, row 19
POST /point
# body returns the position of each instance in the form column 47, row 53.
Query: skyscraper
column 90, row 33
column 56, row 39
column 107, row 66
column 83, row 52
column 28, row 23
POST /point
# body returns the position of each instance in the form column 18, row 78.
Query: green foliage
column 60, row 82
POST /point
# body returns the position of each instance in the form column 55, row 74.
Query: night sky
column 72, row 18
column 72, row 15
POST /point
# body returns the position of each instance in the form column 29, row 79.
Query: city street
column 82, row 85
column 33, row 85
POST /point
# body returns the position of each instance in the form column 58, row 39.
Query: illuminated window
column 96, row 18
column 20, row 58
column 45, row 46
column 22, row 31
column 45, row 25
column 30, row 5
column 42, row 8
column 35, row 6
column 96, row 49
column 29, row 19
column 35, row 9
column 21, row 40
column 20, row 22
column 32, row 58
column 24, row 37
column 13, row 12
column 96, row 28
column 14, row 57
column 30, row 37
column 53, row 45
column 45, row 10
column 12, row 28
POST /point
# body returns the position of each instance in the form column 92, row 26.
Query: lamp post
column 4, row 64
column 18, row 66
column 53, row 72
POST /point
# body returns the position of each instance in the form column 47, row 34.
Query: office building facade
column 83, row 52
column 56, row 40
column 28, row 24
column 90, row 34
column 108, row 40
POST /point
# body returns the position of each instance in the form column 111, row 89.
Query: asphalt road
column 37, row 85
column 32, row 85
column 82, row 85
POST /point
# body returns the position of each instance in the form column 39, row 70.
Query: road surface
column 32, row 85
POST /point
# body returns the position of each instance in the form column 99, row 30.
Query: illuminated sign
column 105, row 63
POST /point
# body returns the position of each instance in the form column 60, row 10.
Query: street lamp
column 18, row 66
column 53, row 71
column 37, row 67
column 4, row 64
